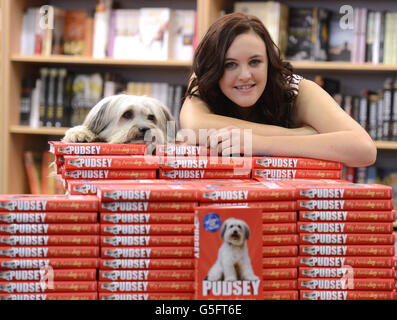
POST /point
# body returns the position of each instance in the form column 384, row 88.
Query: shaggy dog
column 126, row 119
column 233, row 261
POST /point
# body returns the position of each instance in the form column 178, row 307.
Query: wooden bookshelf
column 68, row 60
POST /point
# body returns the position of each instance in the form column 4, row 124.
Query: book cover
column 231, row 267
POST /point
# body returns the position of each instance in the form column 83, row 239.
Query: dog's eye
column 128, row 115
column 151, row 117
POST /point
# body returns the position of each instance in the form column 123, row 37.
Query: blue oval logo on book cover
column 212, row 222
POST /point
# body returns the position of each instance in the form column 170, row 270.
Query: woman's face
column 245, row 70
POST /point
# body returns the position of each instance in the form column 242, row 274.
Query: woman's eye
column 230, row 65
column 127, row 115
column 151, row 117
column 255, row 62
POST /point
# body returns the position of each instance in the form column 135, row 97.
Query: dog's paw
column 79, row 134
column 230, row 278
column 251, row 278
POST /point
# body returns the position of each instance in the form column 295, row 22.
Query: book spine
column 44, row 75
column 349, row 238
column 55, row 263
column 296, row 163
column 375, row 191
column 349, row 250
column 280, row 251
column 57, row 286
column 49, row 252
column 58, row 275
column 348, row 227
column 50, row 240
column 343, row 284
column 109, row 174
column 348, row 204
column 146, row 296
column 50, row 229
column 279, row 262
column 155, row 264
column 345, row 295
column 48, row 217
column 355, row 262
column 305, row 272
column 147, row 218
column 296, row 174
column 204, row 174
column 115, row 162
column 147, row 229
column 280, row 239
column 85, row 149
column 144, row 241
column 147, row 252
column 146, row 275
column 150, row 286
column 51, row 296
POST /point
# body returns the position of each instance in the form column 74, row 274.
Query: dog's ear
column 223, row 229
column 96, row 120
column 246, row 231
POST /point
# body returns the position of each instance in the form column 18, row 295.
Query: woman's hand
column 230, row 141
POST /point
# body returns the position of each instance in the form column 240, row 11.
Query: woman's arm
column 195, row 115
column 340, row 138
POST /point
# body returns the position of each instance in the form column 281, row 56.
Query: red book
column 347, row 205
column 280, row 262
column 49, row 240
column 109, row 174
column 55, row 263
column 345, row 227
column 280, row 251
column 155, row 264
column 205, row 174
column 281, row 295
column 280, row 285
column 279, row 217
column 49, row 252
column 56, row 286
column 50, row 229
column 88, row 149
column 147, row 252
column 350, row 216
column 355, row 262
column 147, row 229
column 348, row 191
column 348, row 238
column 146, row 286
column 138, row 206
column 51, row 296
column 146, row 275
column 280, row 240
column 40, row 203
column 246, row 192
column 146, row 241
column 148, row 193
column 155, row 217
column 280, row 273
column 206, row 163
column 296, row 174
column 346, row 284
column 181, row 150
column 146, row 296
column 111, row 162
column 56, row 274
column 324, row 250
column 298, row 163
column 345, row 295
column 305, row 272
column 265, row 206
column 48, row 217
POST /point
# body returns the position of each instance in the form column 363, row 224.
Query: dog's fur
column 233, row 261
column 125, row 119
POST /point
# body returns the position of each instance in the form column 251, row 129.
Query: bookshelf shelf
column 386, row 145
column 63, row 59
column 39, row 131
column 343, row 66
column 298, row 65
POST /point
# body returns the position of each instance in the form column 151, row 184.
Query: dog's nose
column 143, row 129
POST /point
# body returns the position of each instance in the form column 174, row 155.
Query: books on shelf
column 142, row 34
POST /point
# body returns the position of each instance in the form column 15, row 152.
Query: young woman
column 240, row 82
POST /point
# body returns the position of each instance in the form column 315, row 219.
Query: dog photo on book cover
column 230, row 257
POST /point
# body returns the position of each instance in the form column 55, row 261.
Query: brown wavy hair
column 275, row 104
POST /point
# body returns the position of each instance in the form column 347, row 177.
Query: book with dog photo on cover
column 228, row 253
